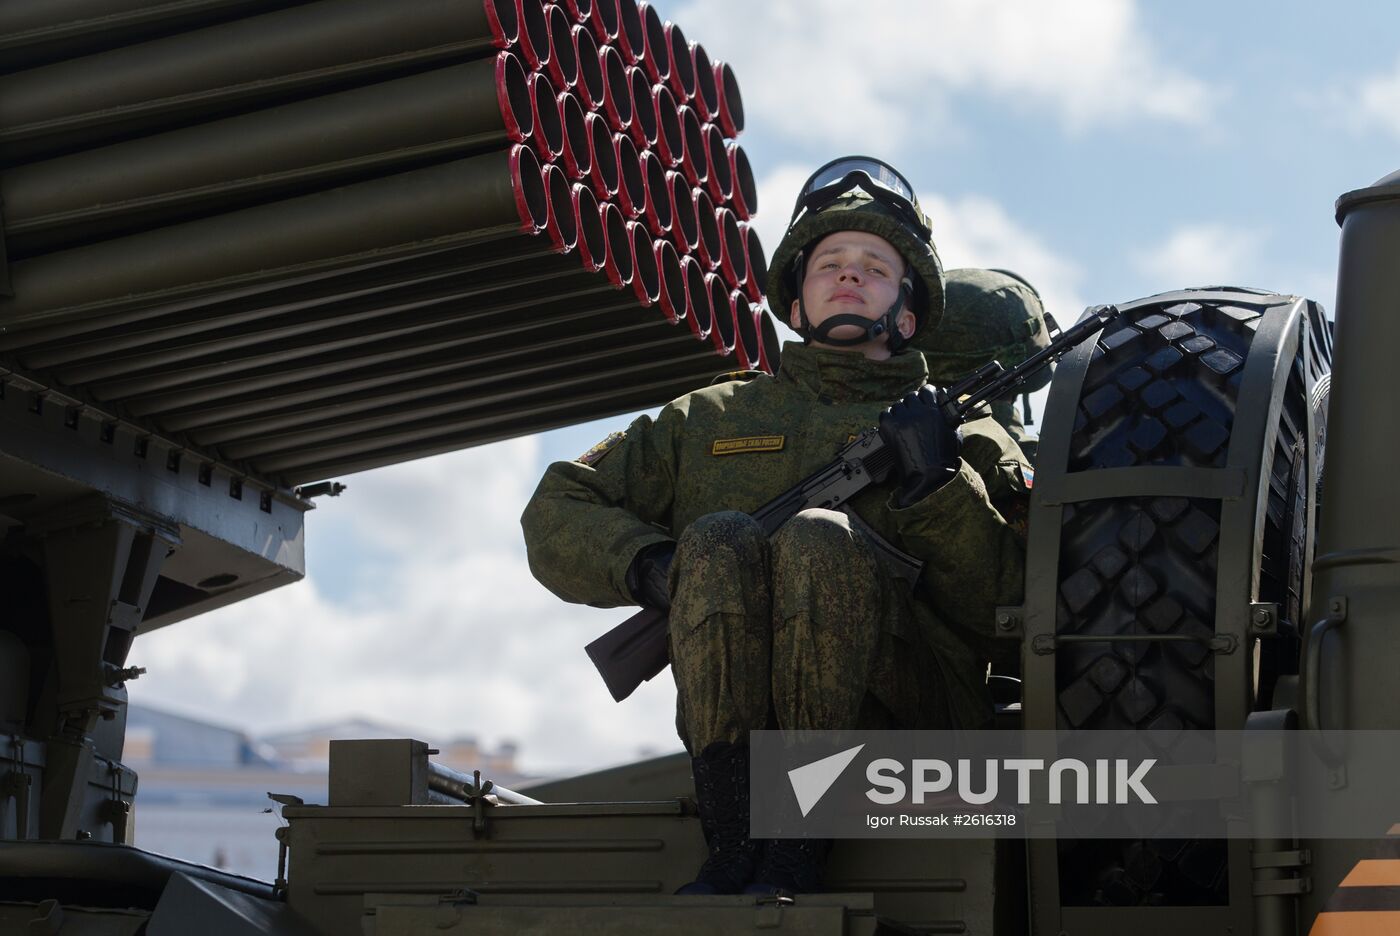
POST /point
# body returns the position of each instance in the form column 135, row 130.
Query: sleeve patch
column 770, row 443
column 741, row 375
column 596, row 453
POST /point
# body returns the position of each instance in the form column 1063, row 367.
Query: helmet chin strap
column 884, row 325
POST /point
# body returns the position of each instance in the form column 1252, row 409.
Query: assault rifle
column 635, row 650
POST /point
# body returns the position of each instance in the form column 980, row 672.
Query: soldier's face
column 852, row 272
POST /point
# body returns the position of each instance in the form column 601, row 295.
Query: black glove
column 926, row 446
column 648, row 573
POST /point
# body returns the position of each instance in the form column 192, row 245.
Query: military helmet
column 858, row 193
column 990, row 315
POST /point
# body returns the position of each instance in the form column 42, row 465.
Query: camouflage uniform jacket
column 737, row 444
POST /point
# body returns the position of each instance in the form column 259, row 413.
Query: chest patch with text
column 767, row 443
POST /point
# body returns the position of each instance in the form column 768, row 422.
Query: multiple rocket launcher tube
column 507, row 165
column 642, row 121
column 615, row 127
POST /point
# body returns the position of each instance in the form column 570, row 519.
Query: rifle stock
column 632, row 652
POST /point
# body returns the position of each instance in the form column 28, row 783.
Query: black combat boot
column 722, row 793
column 792, row 865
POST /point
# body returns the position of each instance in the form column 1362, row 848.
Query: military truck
column 183, row 370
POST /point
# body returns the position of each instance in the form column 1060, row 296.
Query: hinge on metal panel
column 117, row 812
column 1285, row 887
column 770, row 910
column 1297, row 858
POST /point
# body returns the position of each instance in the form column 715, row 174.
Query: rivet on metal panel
column 1263, row 617
column 1009, row 622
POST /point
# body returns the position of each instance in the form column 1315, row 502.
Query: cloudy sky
column 1107, row 149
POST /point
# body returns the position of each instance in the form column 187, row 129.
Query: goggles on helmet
column 878, row 179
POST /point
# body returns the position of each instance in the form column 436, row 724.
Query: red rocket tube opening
column 632, row 183
column 657, row 213
column 696, row 164
column 577, row 156
column 745, row 329
column 646, row 275
column 534, row 34
column 697, row 298
column 580, row 10
column 672, row 277
column 670, row 138
column 656, row 59
column 618, row 266
column 631, row 33
column 562, row 229
column 592, row 237
column 563, row 56
column 643, row 128
column 549, row 129
column 513, row 97
column 733, row 265
column 604, row 20
column 602, row 172
column 706, row 100
column 503, row 16
column 591, row 86
column 685, row 227
column 682, row 79
column 531, row 195
column 744, row 189
column 617, row 89
column 722, row 332
column 710, row 245
column 756, row 284
column 731, row 102
column 720, row 181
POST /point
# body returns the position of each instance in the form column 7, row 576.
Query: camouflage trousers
column 806, row 630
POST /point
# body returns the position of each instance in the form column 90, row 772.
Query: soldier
column 992, row 315
column 808, row 630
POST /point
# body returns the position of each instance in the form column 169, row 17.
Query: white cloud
column 452, row 636
column 876, row 79
column 976, row 231
column 1375, row 102
column 1205, row 254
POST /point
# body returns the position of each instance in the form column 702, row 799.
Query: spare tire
column 1174, row 499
